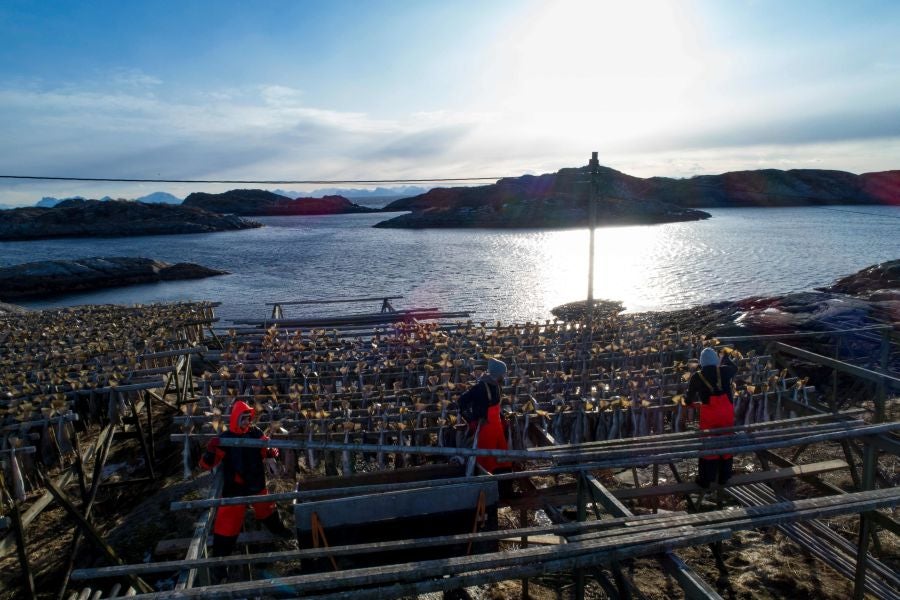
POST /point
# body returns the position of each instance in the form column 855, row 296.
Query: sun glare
column 610, row 69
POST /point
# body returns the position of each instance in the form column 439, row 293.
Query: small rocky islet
column 264, row 203
column 113, row 218
column 54, row 277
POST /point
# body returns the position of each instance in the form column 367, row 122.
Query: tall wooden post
column 592, row 224
column 881, row 390
column 862, row 557
column 589, row 307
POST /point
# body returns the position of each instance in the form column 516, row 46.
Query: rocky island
column 560, row 199
column 49, row 277
column 553, row 200
column 265, row 203
column 112, row 218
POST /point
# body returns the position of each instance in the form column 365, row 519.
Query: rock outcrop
column 265, row 203
column 559, row 199
column 11, row 309
column 113, row 218
column 46, row 278
column 878, row 282
column 869, row 297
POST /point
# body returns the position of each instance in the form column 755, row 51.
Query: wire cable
column 857, row 212
column 273, row 182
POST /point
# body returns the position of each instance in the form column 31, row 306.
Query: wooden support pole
column 581, row 517
column 862, row 555
column 148, row 403
column 202, row 525
column 19, row 533
column 88, row 529
column 141, row 437
column 88, row 502
column 8, row 543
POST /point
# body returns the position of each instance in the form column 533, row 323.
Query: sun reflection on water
column 624, row 259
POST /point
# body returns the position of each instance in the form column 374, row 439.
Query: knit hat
column 709, row 357
column 496, row 368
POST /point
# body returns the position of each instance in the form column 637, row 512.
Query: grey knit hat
column 496, row 368
column 709, row 357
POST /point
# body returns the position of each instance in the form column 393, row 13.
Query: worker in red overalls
column 245, row 475
column 480, row 404
column 711, row 386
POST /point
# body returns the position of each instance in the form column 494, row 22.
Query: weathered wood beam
column 881, row 519
column 88, row 529
column 8, row 543
column 632, row 456
column 694, row 586
column 566, row 556
column 202, row 527
column 800, row 334
column 333, row 301
column 845, row 367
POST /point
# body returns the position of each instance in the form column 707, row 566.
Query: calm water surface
column 506, row 275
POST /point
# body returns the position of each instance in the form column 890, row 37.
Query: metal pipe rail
column 732, row 519
column 634, row 536
column 631, row 456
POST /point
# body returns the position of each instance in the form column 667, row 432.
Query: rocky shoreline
column 53, row 277
column 113, row 218
column 868, row 297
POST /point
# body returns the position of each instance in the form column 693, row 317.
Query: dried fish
column 310, row 453
column 345, row 455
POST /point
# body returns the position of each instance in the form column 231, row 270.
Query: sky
column 339, row 90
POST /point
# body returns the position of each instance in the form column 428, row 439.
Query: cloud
column 261, row 132
column 133, row 78
column 428, row 143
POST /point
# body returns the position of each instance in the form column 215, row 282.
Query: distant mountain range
column 154, row 198
column 357, row 193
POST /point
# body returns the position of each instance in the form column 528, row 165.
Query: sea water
column 508, row 275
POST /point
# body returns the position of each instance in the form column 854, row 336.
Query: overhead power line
column 857, row 212
column 273, row 182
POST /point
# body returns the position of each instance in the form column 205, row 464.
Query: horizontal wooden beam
column 612, row 529
column 801, row 334
column 170, row 353
column 741, row 479
column 868, row 375
column 334, row 301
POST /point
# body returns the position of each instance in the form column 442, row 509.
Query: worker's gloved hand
column 272, row 466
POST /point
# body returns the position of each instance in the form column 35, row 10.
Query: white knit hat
column 709, row 357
